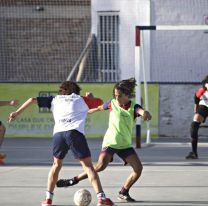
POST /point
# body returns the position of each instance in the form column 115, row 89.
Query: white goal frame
column 140, row 67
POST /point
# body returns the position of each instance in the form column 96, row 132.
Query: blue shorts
column 70, row 140
column 122, row 153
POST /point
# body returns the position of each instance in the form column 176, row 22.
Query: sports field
column 97, row 43
column 167, row 178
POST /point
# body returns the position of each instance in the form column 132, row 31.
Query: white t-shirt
column 204, row 99
column 69, row 111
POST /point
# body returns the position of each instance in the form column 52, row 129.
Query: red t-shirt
column 199, row 93
column 92, row 102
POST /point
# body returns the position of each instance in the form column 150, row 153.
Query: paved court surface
column 167, row 178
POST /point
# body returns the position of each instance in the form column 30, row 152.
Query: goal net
column 175, row 58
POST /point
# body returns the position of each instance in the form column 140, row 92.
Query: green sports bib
column 121, row 122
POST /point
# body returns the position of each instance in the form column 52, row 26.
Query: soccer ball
column 82, row 197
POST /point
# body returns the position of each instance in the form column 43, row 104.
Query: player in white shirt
column 70, row 112
column 200, row 115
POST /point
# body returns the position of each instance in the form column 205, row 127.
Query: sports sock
column 124, row 191
column 194, row 135
column 49, row 195
column 101, row 195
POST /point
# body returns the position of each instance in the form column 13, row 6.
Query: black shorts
column 203, row 111
column 0, row 123
column 70, row 140
column 122, row 153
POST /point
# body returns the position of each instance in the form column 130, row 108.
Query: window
column 108, row 46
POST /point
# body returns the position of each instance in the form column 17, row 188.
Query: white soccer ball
column 82, row 197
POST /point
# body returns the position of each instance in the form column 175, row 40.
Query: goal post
column 138, row 87
column 140, row 65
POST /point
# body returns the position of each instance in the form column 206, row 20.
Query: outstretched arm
column 9, row 103
column 24, row 106
column 145, row 114
column 98, row 109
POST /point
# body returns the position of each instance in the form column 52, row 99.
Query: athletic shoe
column 66, row 182
column 47, row 202
column 125, row 197
column 192, row 155
column 105, row 202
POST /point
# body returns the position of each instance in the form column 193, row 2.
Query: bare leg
column 95, row 181
column 53, row 174
column 102, row 163
column 92, row 174
column 198, row 118
column 135, row 163
column 52, row 179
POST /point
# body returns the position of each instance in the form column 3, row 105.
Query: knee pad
column 194, row 129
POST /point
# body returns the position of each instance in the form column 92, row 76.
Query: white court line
column 173, row 144
column 162, row 144
column 113, row 168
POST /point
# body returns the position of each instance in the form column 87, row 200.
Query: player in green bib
column 118, row 137
column 119, row 132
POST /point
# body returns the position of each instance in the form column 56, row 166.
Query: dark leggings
column 194, row 135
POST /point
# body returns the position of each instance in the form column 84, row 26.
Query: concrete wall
column 170, row 56
column 131, row 13
column 178, row 56
column 176, row 103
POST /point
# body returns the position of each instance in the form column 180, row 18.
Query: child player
column 118, row 137
column 70, row 112
column 200, row 115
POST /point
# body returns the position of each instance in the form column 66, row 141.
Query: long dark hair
column 204, row 81
column 126, row 86
column 69, row 87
